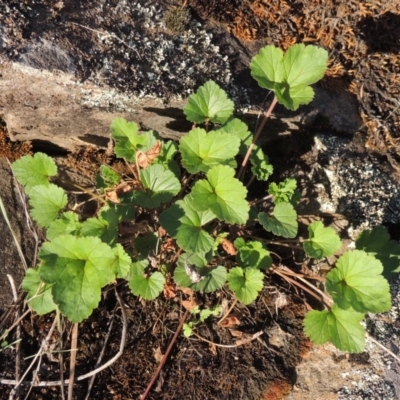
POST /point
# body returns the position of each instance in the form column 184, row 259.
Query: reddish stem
column 164, row 359
column 267, row 114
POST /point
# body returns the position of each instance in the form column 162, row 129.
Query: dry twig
column 164, row 359
column 89, row 374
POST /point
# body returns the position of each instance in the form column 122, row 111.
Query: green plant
column 201, row 315
column 196, row 202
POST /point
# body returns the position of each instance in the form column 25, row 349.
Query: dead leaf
column 231, row 320
column 168, row 245
column 236, row 333
column 169, row 290
column 229, row 247
column 161, row 232
column 186, row 290
column 124, row 187
column 144, row 159
column 189, row 304
column 158, row 356
column 213, row 349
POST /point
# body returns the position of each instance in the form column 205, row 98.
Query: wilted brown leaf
column 158, row 356
column 124, row 187
column 186, row 290
column 231, row 320
column 169, row 290
column 168, row 245
column 144, row 159
column 213, row 349
column 189, row 304
column 229, row 247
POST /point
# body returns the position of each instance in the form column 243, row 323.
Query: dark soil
column 195, row 369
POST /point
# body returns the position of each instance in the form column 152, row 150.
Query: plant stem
column 164, row 359
column 256, row 136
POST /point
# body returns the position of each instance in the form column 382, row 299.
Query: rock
column 10, row 260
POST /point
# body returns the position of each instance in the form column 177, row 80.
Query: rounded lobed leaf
column 239, row 129
column 46, row 201
column 357, row 282
column 323, row 241
column 78, row 268
column 39, row 294
column 253, row 254
column 147, row 287
column 211, row 103
column 377, row 243
column 245, row 283
column 341, row 327
column 201, row 150
column 267, row 67
column 161, row 186
column 128, row 140
column 34, row 170
column 282, row 222
column 304, row 65
column 184, row 223
column 223, row 194
column 67, row 224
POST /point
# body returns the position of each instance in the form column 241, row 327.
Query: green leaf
column 138, row 267
column 184, row 223
column 39, row 294
column 377, row 243
column 292, row 98
column 104, row 226
column 239, row 129
column 209, row 279
column 148, row 287
column 253, row 254
column 357, row 282
column 290, row 75
column 211, row 103
column 78, row 268
column 46, row 201
column 323, row 242
column 32, row 171
column 166, row 158
column 282, row 222
column 210, row 312
column 161, row 186
column 267, row 67
column 260, row 166
column 245, row 283
column 122, row 263
column 110, row 176
column 214, row 279
column 146, row 243
column 201, row 150
column 67, row 224
column 223, row 194
column 284, row 191
column 341, row 327
column 304, row 65
column 187, row 330
column 127, row 139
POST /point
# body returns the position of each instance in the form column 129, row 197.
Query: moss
column 177, row 19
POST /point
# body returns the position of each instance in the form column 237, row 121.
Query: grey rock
column 46, row 55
